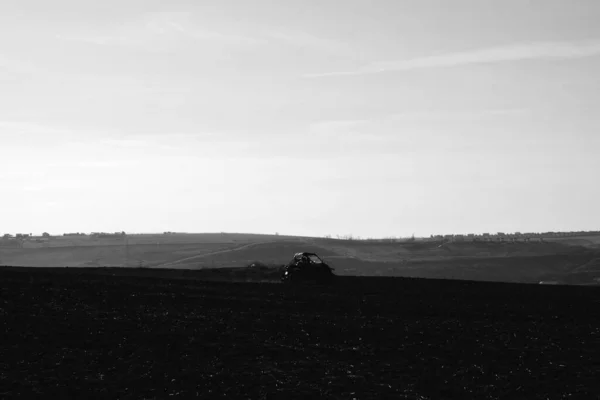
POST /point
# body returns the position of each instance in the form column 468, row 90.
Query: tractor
column 307, row 267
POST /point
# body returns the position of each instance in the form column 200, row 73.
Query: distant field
column 129, row 251
column 573, row 260
column 587, row 240
column 133, row 239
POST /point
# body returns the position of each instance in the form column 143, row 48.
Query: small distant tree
column 45, row 234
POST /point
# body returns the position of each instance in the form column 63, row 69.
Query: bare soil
column 79, row 333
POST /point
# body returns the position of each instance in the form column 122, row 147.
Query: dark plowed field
column 77, row 335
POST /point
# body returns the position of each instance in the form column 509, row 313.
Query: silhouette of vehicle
column 307, row 267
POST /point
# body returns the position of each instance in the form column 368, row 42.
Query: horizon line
column 336, row 237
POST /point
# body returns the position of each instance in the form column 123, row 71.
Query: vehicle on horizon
column 307, row 267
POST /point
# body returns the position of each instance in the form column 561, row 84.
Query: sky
column 373, row 118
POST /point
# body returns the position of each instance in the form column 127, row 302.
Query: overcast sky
column 371, row 118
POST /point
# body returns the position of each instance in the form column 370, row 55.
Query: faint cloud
column 139, row 142
column 526, row 51
column 33, row 188
column 100, row 40
column 129, row 144
column 353, row 124
column 30, row 127
column 181, row 23
column 17, row 66
column 383, row 131
column 93, row 164
column 21, row 133
column 176, row 135
column 60, row 184
column 334, row 126
column 158, row 31
column 457, row 115
column 165, row 30
column 308, row 40
column 126, row 142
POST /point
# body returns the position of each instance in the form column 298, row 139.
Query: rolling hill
column 572, row 260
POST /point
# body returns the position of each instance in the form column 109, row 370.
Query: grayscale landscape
column 294, row 199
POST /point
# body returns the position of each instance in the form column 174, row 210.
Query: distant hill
column 572, row 259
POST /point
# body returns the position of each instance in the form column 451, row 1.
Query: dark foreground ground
column 78, row 334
